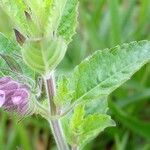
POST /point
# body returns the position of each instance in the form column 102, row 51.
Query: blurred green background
column 102, row 24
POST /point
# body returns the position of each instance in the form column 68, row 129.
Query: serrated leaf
column 44, row 55
column 68, row 22
column 93, row 125
column 62, row 18
column 106, row 70
column 83, row 128
column 55, row 14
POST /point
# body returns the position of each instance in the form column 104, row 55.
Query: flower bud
column 14, row 97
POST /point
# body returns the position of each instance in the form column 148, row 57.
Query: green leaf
column 94, row 79
column 37, row 14
column 97, row 106
column 48, row 4
column 12, row 63
column 62, row 18
column 16, row 11
column 7, row 46
column 68, row 22
column 83, row 129
column 77, row 119
column 63, row 94
column 11, row 60
column 44, row 55
column 36, row 8
column 103, row 72
column 55, row 14
column 93, row 125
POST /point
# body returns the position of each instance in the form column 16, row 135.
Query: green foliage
column 15, row 9
column 63, row 94
column 55, row 15
column 94, row 79
column 102, row 24
column 84, row 128
column 43, row 22
column 68, row 21
column 7, row 49
column 62, row 19
column 109, row 69
column 139, row 127
column 11, row 62
column 7, row 46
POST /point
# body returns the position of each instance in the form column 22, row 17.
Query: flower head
column 14, row 97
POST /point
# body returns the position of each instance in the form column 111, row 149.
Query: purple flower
column 14, row 97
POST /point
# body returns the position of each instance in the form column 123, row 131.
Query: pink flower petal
column 14, row 96
column 16, row 100
column 9, row 86
column 4, row 80
column 2, row 98
column 19, row 96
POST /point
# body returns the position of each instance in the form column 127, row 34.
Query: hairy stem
column 55, row 123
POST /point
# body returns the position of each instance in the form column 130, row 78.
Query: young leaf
column 68, row 21
column 37, row 14
column 83, row 128
column 109, row 69
column 55, row 15
column 93, row 125
column 77, row 119
column 48, row 6
column 62, row 18
column 63, row 94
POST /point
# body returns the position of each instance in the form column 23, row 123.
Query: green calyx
column 43, row 55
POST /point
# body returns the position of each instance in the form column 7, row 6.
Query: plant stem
column 55, row 123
